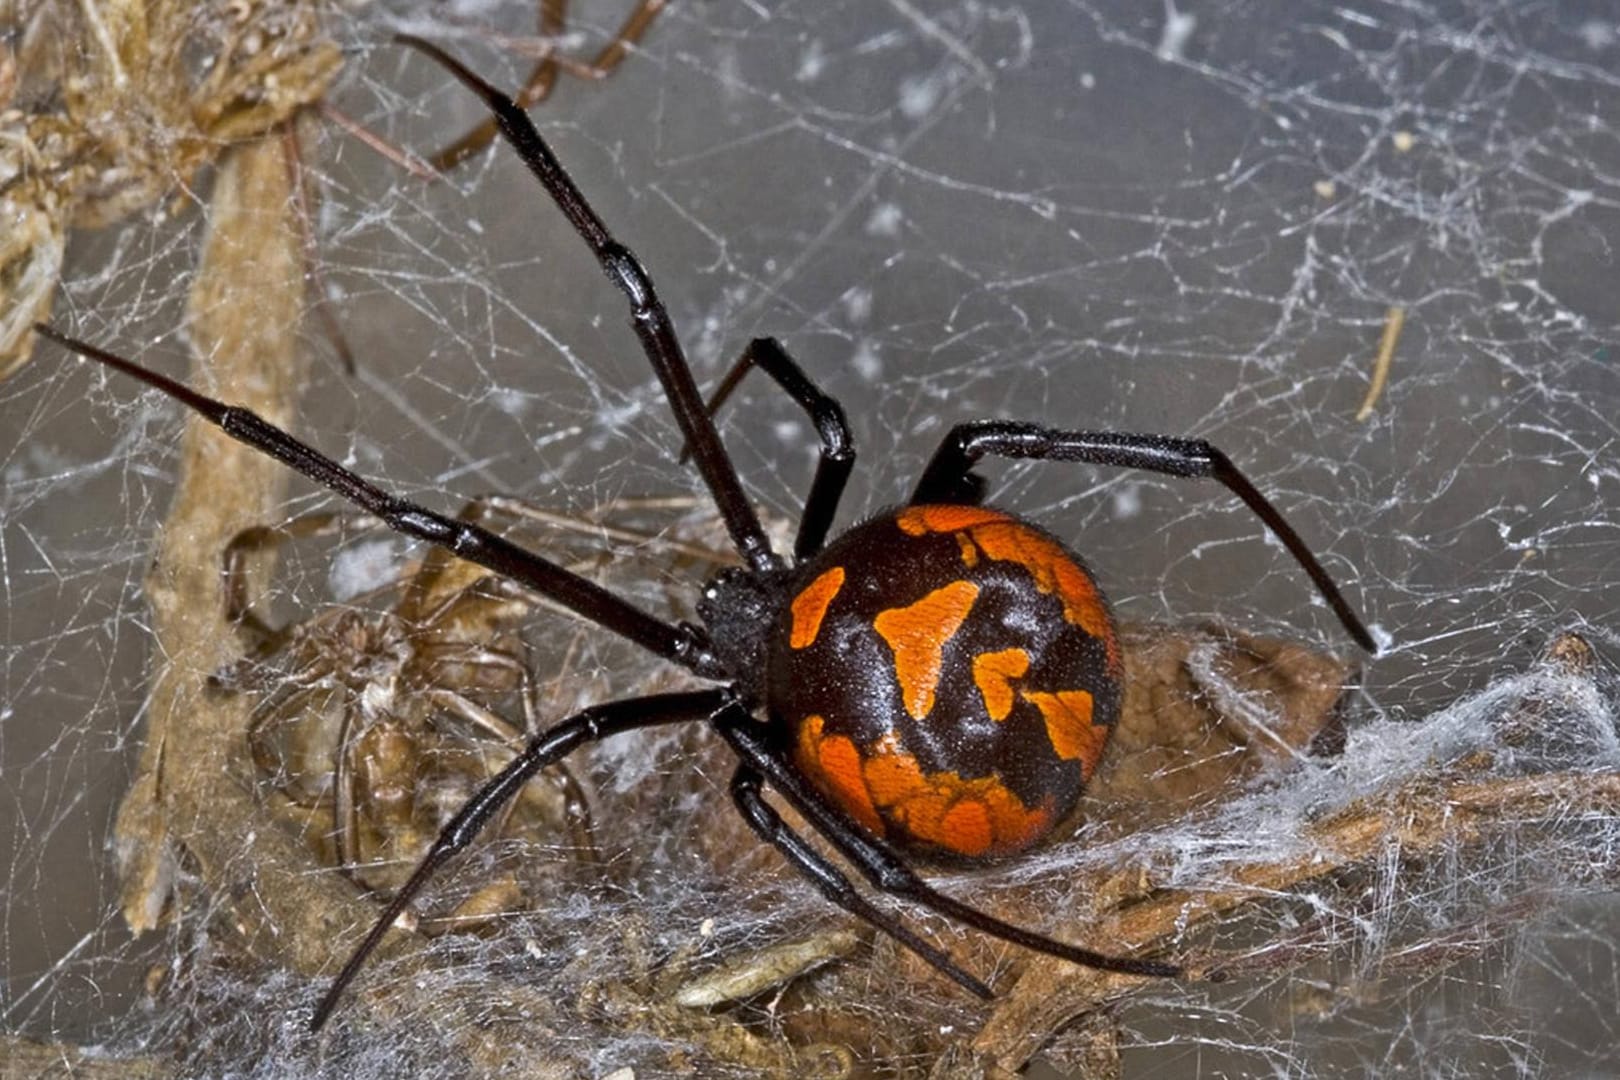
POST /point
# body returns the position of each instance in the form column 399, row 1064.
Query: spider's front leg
column 648, row 316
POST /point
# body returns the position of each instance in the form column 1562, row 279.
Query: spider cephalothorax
column 739, row 608
column 939, row 679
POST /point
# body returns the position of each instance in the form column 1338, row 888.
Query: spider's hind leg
column 769, row 826
column 886, row 870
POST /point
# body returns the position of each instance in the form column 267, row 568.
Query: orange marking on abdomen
column 1054, row 571
column 970, row 553
column 1002, row 537
column 835, row 760
column 892, row 775
column 810, row 607
column 993, row 673
column 967, row 817
column 917, row 635
column 1069, row 726
column 921, row 520
column 966, row 828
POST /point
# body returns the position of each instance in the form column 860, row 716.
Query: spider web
column 1099, row 215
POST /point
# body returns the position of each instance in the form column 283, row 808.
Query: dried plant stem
column 192, row 799
column 1393, row 322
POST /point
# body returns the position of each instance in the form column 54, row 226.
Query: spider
column 374, row 728
column 936, row 683
column 543, row 76
column 381, row 724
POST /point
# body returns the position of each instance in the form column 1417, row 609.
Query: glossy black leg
column 881, row 865
column 949, row 478
column 682, row 644
column 837, row 448
column 647, row 314
column 832, row 883
column 557, row 742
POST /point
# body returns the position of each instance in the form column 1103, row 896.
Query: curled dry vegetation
column 107, row 106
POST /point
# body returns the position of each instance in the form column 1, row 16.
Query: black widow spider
column 939, row 680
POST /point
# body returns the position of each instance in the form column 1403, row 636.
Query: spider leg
column 345, row 807
column 477, row 668
column 264, row 638
column 768, row 824
column 274, row 710
column 491, row 723
column 949, row 478
column 883, row 866
column 576, row 808
column 600, row 525
column 424, row 599
column 648, row 315
column 543, row 77
column 682, row 644
column 592, row 724
column 837, row 448
column 320, row 300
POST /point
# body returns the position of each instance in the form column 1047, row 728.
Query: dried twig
column 1393, row 321
column 191, row 801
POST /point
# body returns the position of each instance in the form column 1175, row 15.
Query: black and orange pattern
column 946, row 674
column 950, row 675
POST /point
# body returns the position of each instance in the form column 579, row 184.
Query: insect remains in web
column 936, row 683
column 372, row 728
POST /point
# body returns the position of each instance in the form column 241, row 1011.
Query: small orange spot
column 1069, row 726
column 970, row 553
column 921, row 520
column 835, row 761
column 917, row 635
column 810, row 607
column 994, row 672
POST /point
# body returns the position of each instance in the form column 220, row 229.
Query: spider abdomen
column 949, row 676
